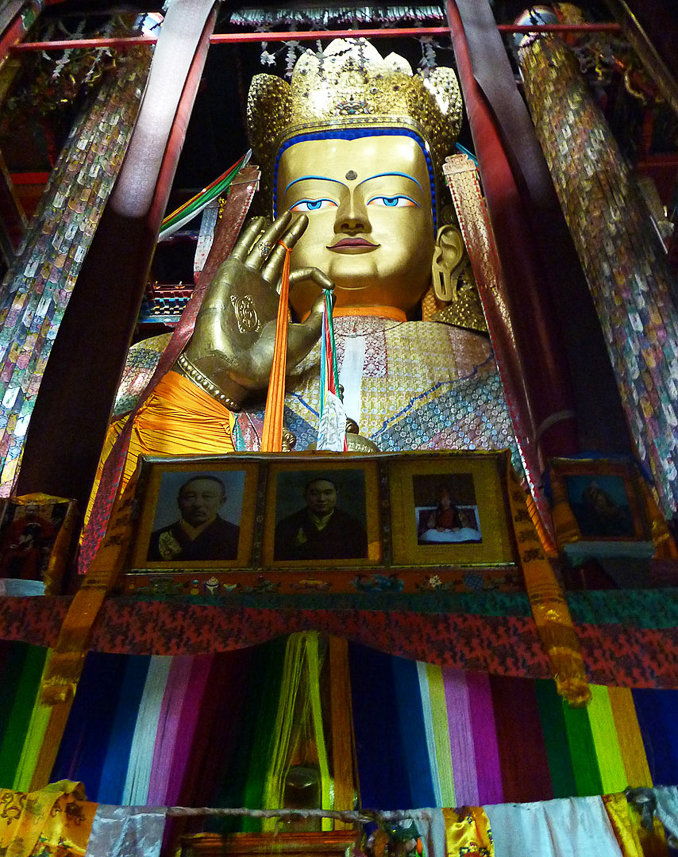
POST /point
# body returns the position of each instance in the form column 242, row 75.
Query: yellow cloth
column 629, row 737
column 178, row 419
column 624, row 825
column 56, row 820
column 549, row 608
column 633, row 839
column 468, row 832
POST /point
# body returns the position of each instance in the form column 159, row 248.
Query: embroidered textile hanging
column 633, row 288
column 36, row 290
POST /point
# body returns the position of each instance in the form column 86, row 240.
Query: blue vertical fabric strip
column 382, row 766
column 84, row 745
column 413, row 731
column 657, row 712
column 114, row 771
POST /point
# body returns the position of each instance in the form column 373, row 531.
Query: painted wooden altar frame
column 392, row 498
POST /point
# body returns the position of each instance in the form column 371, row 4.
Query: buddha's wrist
column 226, row 391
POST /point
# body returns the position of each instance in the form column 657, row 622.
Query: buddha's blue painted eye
column 313, row 205
column 399, row 201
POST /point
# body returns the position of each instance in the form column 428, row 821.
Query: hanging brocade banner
column 626, row 266
column 37, row 288
column 462, row 178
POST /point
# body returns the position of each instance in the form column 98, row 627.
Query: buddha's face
column 368, row 202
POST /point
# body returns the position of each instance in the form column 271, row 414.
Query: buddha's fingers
column 319, row 278
column 264, row 245
column 244, row 244
column 272, row 269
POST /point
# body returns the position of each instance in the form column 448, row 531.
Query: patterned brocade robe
column 409, row 385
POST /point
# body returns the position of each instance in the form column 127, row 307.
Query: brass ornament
column 246, row 314
column 465, row 308
column 350, row 85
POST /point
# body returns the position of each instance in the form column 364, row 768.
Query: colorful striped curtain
column 195, row 730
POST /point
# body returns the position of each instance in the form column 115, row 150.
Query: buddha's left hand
column 232, row 345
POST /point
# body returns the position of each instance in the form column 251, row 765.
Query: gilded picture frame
column 597, row 500
column 318, row 513
column 195, row 514
column 450, row 509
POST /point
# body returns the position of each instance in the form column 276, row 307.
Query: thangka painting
column 36, row 536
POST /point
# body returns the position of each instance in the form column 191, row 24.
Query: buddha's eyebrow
column 308, row 178
column 383, row 175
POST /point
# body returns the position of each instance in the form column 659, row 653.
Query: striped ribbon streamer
column 197, row 685
column 116, row 762
column 186, row 212
column 413, row 732
column 486, row 749
column 35, row 734
column 271, row 438
column 630, row 738
column 301, row 674
column 332, row 419
column 21, row 708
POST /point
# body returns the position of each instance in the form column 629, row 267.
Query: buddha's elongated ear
column 447, row 262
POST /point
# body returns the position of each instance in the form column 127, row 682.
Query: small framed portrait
column 195, row 514
column 602, row 497
column 446, row 508
column 319, row 514
column 36, row 536
column 449, row 509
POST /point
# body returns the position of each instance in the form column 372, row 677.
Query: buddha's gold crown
column 351, row 86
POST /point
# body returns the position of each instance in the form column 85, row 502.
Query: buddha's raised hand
column 231, row 350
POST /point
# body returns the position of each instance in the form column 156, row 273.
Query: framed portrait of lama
column 450, row 509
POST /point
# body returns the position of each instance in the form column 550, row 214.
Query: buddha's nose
column 352, row 217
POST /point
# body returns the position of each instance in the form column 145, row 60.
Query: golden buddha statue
column 351, row 154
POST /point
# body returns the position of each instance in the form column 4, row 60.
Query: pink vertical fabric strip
column 188, row 723
column 488, row 768
column 168, row 729
column 461, row 737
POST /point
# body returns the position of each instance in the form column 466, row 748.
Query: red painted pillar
column 533, row 317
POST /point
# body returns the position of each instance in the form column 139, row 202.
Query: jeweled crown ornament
column 348, row 86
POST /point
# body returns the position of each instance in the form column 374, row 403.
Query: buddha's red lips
column 346, row 243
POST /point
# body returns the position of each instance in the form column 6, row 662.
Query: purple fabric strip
column 488, row 769
column 168, row 729
column 188, row 721
column 461, row 738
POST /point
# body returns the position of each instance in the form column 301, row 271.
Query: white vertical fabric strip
column 208, row 224
column 424, row 692
column 569, row 827
column 431, row 826
column 351, row 376
column 143, row 741
column 126, row 831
